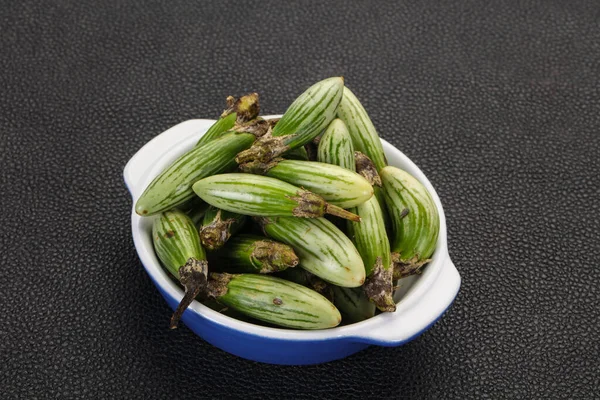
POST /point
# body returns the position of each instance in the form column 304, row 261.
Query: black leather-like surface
column 498, row 103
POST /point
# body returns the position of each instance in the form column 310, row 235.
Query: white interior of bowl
column 165, row 148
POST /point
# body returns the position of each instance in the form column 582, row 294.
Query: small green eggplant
column 304, row 120
column 274, row 300
column 257, row 195
column 362, row 130
column 254, row 254
column 337, row 185
column 415, row 220
column 177, row 245
column 323, row 249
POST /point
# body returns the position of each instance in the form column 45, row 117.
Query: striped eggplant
column 371, row 241
column 223, row 125
column 305, row 119
column 232, row 313
column 366, row 168
column 337, row 185
column 311, row 281
column 380, row 196
column 228, row 311
column 254, row 254
column 177, row 245
column 369, row 236
column 274, row 300
column 415, row 220
column 323, row 249
column 174, row 185
column 362, row 130
column 335, row 147
column 353, row 303
column 264, row 196
column 218, row 226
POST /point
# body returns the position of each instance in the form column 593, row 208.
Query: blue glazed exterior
column 262, row 349
column 277, row 351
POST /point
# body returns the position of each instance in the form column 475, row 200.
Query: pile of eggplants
column 297, row 222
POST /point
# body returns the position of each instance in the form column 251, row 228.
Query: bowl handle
column 406, row 324
column 137, row 168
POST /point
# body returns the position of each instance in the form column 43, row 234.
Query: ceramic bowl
column 421, row 299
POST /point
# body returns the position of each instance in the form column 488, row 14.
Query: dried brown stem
column 273, row 122
column 217, row 285
column 264, row 149
column 214, row 235
column 258, row 127
column 259, row 167
column 310, row 205
column 246, row 107
column 273, row 256
column 366, row 168
column 378, row 287
column 193, row 277
column 404, row 268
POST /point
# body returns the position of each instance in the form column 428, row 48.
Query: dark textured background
column 498, row 103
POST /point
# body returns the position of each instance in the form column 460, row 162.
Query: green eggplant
column 304, row 120
column 362, row 130
column 323, row 249
column 174, row 185
column 264, row 196
column 371, row 241
column 337, row 185
column 353, row 303
column 274, row 300
column 217, row 129
column 335, row 146
column 177, row 245
column 254, row 254
column 415, row 220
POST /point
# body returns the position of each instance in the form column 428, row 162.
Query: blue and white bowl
column 421, row 299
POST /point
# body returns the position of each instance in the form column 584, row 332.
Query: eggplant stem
column 366, row 168
column 273, row 256
column 214, row 235
column 193, row 277
column 405, row 268
column 340, row 212
column 379, row 287
column 264, row 149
